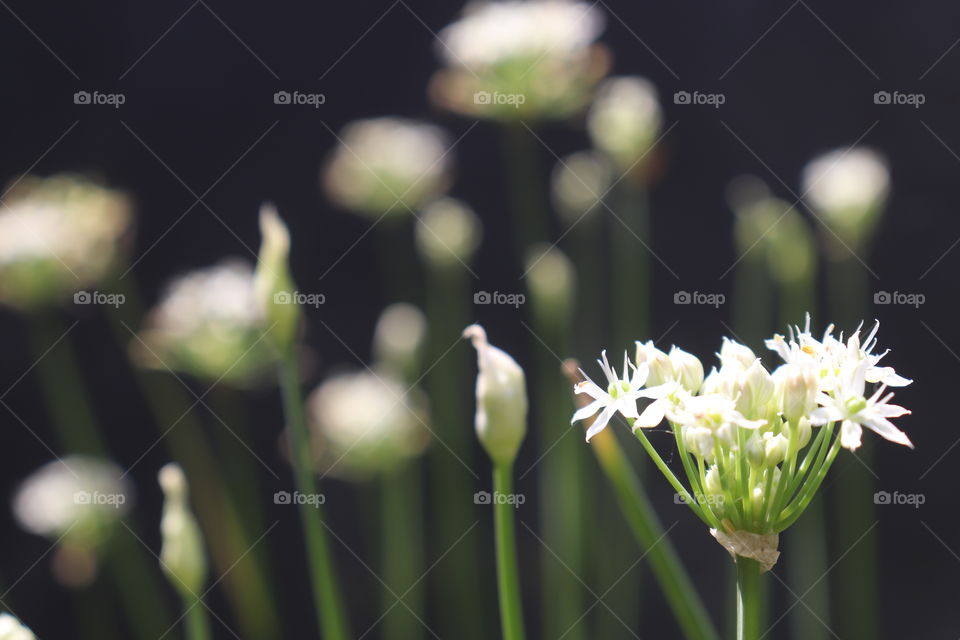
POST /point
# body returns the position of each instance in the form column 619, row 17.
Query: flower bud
column 687, row 369
column 732, row 353
column 501, row 418
column 712, row 481
column 661, row 367
column 755, row 387
column 756, row 451
column 448, row 233
column 799, row 386
column 13, row 629
column 273, row 283
column 775, row 448
column 699, row 442
column 182, row 557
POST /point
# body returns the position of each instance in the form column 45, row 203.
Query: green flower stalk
column 280, row 306
column 754, row 446
column 183, row 557
column 501, row 424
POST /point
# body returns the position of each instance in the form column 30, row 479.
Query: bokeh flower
column 518, row 60
column 182, row 557
column 625, row 120
column 210, row 324
column 364, row 423
column 388, row 166
column 58, row 235
column 448, row 233
column 13, row 629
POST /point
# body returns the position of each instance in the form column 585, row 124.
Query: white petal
column 850, row 433
column 600, row 423
column 590, row 388
column 887, row 376
column 587, row 411
column 652, row 415
column 823, row 415
column 885, row 428
column 627, row 407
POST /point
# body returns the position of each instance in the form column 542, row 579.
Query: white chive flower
column 625, row 120
column 388, row 166
column 620, row 396
column 513, row 60
column 849, row 406
column 210, row 323
column 59, row 235
column 365, row 422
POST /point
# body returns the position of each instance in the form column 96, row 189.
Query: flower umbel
column 755, row 446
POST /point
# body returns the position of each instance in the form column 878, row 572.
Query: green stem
column 196, row 620
column 402, row 548
column 327, row 598
column 748, row 599
column 508, row 580
column 668, row 474
column 642, row 518
column 631, row 263
column 526, row 188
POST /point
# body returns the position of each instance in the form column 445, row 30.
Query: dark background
column 200, row 100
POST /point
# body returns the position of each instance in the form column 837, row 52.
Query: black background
column 199, row 82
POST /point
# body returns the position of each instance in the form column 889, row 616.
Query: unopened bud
column 182, row 557
column 799, row 386
column 501, row 418
column 273, row 282
column 661, row 367
column 687, row 369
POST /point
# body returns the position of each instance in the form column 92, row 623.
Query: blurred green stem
column 527, row 188
column 630, row 237
column 401, row 537
column 73, row 416
column 247, row 584
column 659, row 552
column 508, row 579
column 855, row 512
column 196, row 620
column 461, row 610
column 328, row 600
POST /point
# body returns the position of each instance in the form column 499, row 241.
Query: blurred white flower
column 551, row 279
column 625, row 119
column 365, row 422
column 848, row 188
column 448, row 233
column 13, row 629
column 387, row 165
column 398, row 338
column 78, row 498
column 578, row 182
column 209, row 323
column 512, row 60
column 57, row 236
